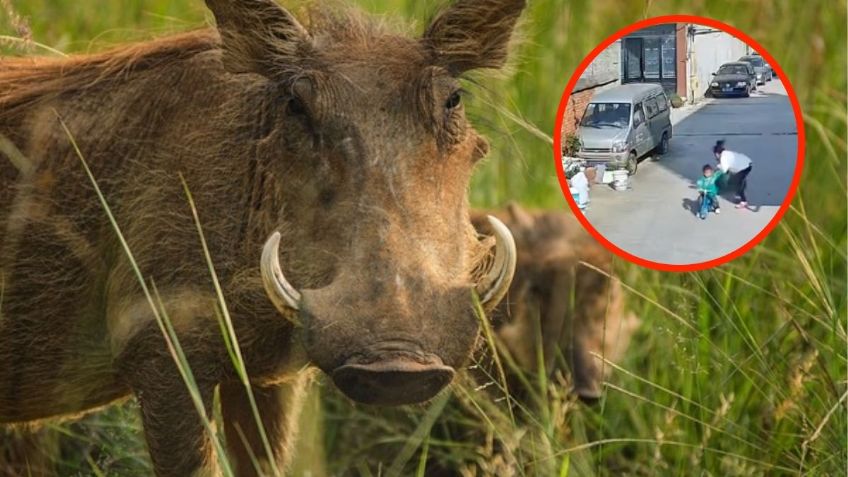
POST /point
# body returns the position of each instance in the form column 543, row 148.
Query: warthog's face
column 378, row 246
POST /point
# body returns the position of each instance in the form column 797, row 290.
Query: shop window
column 652, row 58
column 669, row 58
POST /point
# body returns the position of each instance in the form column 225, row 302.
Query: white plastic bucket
column 620, row 180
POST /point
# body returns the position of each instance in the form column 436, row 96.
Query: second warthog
column 565, row 311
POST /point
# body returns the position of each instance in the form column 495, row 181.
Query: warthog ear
column 521, row 217
column 472, row 34
column 257, row 36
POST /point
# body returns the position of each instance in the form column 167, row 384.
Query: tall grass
column 739, row 370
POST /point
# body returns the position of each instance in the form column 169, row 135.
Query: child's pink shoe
column 742, row 205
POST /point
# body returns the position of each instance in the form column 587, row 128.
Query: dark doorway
column 649, row 56
column 632, row 59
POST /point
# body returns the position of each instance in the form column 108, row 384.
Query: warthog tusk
column 495, row 283
column 282, row 294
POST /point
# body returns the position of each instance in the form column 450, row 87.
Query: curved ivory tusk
column 495, row 283
column 284, row 296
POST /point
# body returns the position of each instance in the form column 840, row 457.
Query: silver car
column 624, row 123
column 763, row 70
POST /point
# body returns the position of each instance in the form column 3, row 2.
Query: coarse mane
column 26, row 80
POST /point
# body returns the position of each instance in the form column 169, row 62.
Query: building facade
column 680, row 56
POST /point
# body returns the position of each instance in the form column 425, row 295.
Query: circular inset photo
column 679, row 143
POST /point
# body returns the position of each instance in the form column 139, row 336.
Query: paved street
column 656, row 219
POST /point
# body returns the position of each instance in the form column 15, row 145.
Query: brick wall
column 574, row 110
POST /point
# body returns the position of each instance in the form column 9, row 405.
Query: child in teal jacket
column 708, row 191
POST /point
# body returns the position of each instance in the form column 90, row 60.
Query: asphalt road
column 656, row 218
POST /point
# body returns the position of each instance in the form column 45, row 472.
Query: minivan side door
column 652, row 111
column 663, row 117
column 641, row 132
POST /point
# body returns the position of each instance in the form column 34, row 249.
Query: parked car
column 734, row 79
column 763, row 70
column 624, row 123
column 768, row 66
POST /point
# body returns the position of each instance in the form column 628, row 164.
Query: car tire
column 747, row 92
column 662, row 149
column 632, row 164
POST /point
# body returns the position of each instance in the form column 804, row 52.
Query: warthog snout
column 393, row 324
column 393, row 376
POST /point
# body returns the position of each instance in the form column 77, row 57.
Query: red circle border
column 557, row 148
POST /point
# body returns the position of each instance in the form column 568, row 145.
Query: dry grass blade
column 755, row 380
column 604, row 442
column 677, row 395
column 684, row 415
column 229, row 333
column 817, row 432
column 488, row 335
column 421, row 434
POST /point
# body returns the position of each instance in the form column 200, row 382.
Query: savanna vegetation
column 735, row 371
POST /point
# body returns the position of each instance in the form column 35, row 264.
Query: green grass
column 739, row 370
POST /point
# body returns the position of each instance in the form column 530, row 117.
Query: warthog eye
column 296, row 107
column 454, row 100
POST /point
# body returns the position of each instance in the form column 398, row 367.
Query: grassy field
column 739, row 370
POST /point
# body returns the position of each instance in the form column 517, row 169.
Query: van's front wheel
column 632, row 164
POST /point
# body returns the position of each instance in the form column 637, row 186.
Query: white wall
column 605, row 69
column 709, row 51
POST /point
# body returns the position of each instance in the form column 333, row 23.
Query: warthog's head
column 369, row 137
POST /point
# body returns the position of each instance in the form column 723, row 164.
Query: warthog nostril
column 394, row 381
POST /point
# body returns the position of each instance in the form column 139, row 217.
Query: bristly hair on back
column 28, row 79
column 464, row 36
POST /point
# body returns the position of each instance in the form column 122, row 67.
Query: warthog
column 339, row 145
column 562, row 303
